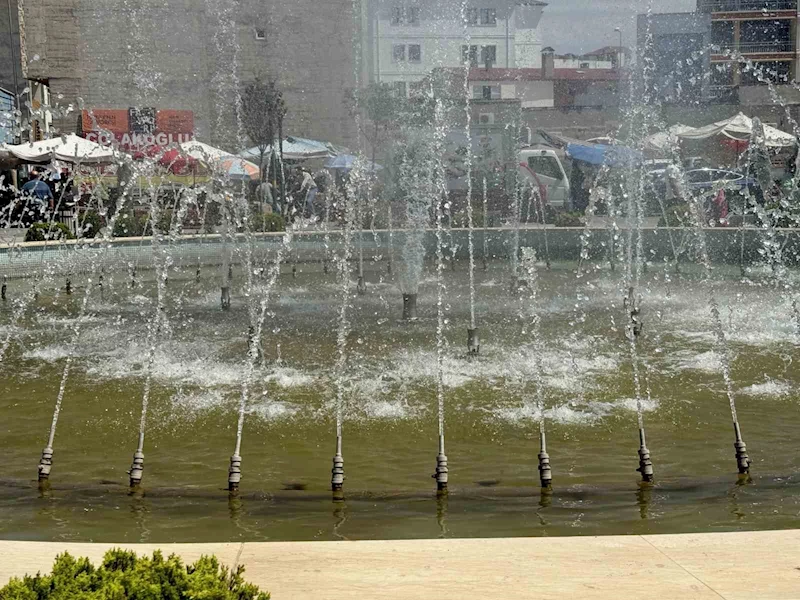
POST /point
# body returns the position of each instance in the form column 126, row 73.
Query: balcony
column 712, row 6
column 745, row 48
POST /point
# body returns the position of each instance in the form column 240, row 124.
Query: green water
column 390, row 424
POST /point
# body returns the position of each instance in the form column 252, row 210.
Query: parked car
column 544, row 168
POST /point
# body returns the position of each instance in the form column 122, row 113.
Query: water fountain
column 327, row 360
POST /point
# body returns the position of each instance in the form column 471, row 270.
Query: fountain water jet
column 351, row 213
column 485, row 254
column 528, row 299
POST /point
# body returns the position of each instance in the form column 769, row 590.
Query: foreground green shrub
column 38, row 232
column 90, row 223
column 568, row 219
column 123, row 576
column 678, row 215
column 128, row 225
column 267, row 222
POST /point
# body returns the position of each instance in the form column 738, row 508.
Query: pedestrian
column 38, row 195
column 266, row 197
column 309, row 186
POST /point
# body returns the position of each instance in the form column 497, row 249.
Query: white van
column 543, row 168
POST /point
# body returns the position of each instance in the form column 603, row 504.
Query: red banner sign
column 140, row 128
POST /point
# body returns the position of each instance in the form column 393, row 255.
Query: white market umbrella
column 664, row 141
column 76, row 149
column 295, row 148
column 70, row 148
column 740, row 127
column 204, row 152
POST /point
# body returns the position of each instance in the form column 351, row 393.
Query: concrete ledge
column 746, row 565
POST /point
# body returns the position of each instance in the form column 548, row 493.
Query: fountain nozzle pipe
column 442, row 471
column 409, row 307
column 361, row 286
column 45, row 464
column 473, row 341
column 235, row 473
column 137, row 469
column 545, row 472
column 4, row 288
column 68, row 287
column 742, row 460
column 337, row 473
column 645, row 464
column 225, row 297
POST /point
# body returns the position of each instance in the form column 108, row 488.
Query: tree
column 263, row 110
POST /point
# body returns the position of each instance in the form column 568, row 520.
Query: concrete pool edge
column 731, row 565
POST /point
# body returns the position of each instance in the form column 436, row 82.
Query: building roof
column 608, row 51
column 481, row 74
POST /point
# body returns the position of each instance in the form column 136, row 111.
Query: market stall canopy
column 230, row 165
column 740, row 127
column 295, row 149
column 204, row 152
column 345, row 162
column 599, row 154
column 665, row 141
column 70, row 148
column 238, row 169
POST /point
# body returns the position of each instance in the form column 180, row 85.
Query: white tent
column 76, row 149
column 740, row 127
column 664, row 141
column 204, row 152
column 70, row 148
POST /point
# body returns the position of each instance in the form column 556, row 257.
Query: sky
column 584, row 25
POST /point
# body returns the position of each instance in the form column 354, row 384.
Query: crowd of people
column 35, row 200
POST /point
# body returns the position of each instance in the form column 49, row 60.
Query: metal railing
column 774, row 47
column 746, row 5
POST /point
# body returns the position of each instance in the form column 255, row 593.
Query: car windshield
column 546, row 166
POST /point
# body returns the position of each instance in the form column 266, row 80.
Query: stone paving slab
column 734, row 566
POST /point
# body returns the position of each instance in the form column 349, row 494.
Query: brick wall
column 181, row 54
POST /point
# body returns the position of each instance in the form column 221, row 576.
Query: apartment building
column 407, row 39
column 760, row 32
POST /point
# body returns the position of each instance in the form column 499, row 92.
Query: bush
column 38, row 232
column 90, row 223
column 568, row 219
column 124, row 575
column 267, row 222
column 678, row 215
column 128, row 225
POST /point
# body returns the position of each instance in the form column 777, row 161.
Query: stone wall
column 181, row 54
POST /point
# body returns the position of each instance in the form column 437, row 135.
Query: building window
column 261, row 34
column 414, row 53
column 398, row 53
column 488, row 55
column 472, row 16
column 488, row 16
column 486, row 92
column 399, row 90
column 397, row 15
column 412, row 15
column 469, row 55
column 584, row 65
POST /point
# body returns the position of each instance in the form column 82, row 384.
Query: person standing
column 39, row 196
column 309, row 186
